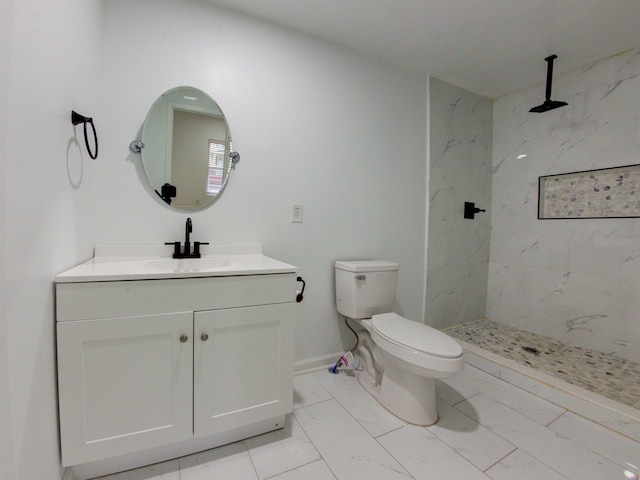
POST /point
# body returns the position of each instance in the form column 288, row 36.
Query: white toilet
column 403, row 358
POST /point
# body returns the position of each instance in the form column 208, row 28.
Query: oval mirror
column 186, row 149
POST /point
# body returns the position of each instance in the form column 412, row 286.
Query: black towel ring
column 76, row 119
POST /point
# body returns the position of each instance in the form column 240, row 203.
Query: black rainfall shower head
column 548, row 103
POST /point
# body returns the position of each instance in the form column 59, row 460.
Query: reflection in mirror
column 187, row 149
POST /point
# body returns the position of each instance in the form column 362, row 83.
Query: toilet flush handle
column 361, row 277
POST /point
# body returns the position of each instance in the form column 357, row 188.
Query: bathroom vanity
column 161, row 357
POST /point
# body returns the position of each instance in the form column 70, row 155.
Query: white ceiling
column 491, row 47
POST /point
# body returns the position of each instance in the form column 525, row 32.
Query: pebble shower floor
column 607, row 375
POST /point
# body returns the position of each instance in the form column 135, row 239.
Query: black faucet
column 188, row 228
column 187, row 253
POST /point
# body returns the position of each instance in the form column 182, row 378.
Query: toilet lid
column 415, row 336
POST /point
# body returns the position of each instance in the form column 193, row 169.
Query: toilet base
column 410, row 397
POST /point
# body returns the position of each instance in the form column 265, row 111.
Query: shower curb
column 610, row 414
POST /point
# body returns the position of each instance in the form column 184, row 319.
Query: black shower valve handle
column 470, row 210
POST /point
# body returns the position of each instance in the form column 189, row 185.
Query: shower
column 548, row 103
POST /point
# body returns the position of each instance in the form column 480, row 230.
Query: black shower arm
column 549, row 61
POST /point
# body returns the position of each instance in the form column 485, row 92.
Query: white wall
column 7, row 461
column 576, row 280
column 459, row 171
column 315, row 124
column 46, row 220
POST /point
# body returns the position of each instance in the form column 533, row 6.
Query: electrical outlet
column 296, row 213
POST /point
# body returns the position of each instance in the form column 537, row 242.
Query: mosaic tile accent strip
column 613, row 377
column 604, row 193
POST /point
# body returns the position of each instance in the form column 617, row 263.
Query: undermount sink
column 188, row 264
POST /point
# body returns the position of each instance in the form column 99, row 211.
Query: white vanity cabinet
column 124, row 384
column 242, row 366
column 150, row 363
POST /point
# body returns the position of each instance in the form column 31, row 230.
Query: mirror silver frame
column 186, row 149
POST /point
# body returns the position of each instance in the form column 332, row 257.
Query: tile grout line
column 307, row 434
column 518, row 449
column 375, row 439
column 515, row 449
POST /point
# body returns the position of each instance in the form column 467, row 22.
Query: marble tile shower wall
column 460, row 125
column 575, row 280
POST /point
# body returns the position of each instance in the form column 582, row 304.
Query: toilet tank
column 365, row 287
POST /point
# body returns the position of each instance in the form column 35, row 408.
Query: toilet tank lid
column 366, row 265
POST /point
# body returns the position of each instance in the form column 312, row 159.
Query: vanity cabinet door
column 243, row 366
column 125, row 384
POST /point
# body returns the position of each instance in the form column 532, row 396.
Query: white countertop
column 149, row 262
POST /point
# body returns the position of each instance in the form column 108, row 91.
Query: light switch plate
column 296, row 213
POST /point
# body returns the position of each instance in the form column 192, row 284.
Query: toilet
column 402, row 358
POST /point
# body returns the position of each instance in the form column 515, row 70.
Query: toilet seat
column 406, row 334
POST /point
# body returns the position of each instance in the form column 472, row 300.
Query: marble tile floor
column 488, row 429
column 612, row 377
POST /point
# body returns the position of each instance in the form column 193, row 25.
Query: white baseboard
column 68, row 474
column 316, row 363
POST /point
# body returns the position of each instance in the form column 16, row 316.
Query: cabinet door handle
column 204, row 337
column 183, row 338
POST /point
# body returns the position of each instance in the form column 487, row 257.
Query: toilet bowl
column 403, row 358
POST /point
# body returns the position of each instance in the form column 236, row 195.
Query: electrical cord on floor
column 348, row 355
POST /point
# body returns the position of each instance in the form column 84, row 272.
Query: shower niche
column 603, row 193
